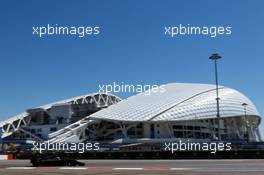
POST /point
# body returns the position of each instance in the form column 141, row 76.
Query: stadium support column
column 216, row 57
column 146, row 130
column 259, row 135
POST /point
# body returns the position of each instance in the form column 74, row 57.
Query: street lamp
column 245, row 108
column 245, row 119
column 216, row 57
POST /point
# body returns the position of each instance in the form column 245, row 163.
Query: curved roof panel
column 178, row 101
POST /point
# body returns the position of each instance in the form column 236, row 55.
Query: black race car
column 54, row 160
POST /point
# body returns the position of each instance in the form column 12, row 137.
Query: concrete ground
column 107, row 167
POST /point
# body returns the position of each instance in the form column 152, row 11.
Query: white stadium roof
column 179, row 101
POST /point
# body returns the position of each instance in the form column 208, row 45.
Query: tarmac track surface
column 140, row 167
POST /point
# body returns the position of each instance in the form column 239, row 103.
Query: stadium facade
column 181, row 111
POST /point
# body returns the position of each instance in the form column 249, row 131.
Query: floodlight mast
column 215, row 57
column 245, row 119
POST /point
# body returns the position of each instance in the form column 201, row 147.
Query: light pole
column 216, row 57
column 246, row 122
column 245, row 109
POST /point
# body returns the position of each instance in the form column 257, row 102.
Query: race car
column 54, row 160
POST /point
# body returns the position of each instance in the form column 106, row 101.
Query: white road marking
column 3, row 157
column 208, row 160
column 73, row 168
column 127, row 168
column 183, row 168
column 20, row 168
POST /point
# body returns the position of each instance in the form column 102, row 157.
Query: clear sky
column 131, row 48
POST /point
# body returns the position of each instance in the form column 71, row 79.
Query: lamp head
column 215, row 56
column 244, row 104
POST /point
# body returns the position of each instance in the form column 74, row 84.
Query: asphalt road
column 107, row 167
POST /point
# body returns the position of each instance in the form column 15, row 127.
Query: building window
column 197, row 128
column 139, row 133
column 139, row 125
column 177, row 127
column 178, row 134
column 152, row 131
column 53, row 129
column 190, row 127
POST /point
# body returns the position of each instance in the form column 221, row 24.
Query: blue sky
column 131, row 48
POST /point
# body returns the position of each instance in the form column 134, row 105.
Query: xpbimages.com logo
column 79, row 31
column 131, row 88
column 185, row 30
column 213, row 147
column 63, row 146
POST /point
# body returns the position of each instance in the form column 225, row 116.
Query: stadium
column 181, row 111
